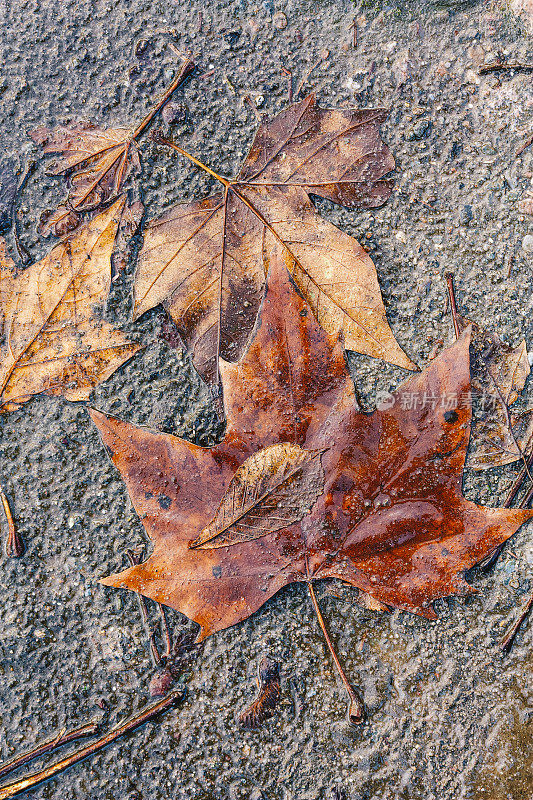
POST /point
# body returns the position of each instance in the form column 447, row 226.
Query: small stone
column 279, row 20
column 421, row 129
column 466, row 215
column 527, row 243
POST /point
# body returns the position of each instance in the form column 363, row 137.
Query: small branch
column 356, row 708
column 517, row 484
column 166, row 632
column 453, row 304
column 63, row 737
column 13, row 789
column 15, row 546
column 354, row 38
column 22, row 251
column 508, row 639
column 524, row 146
column 186, row 68
column 499, row 66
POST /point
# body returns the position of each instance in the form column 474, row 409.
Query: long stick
column 64, row 737
column 13, row 789
column 356, row 708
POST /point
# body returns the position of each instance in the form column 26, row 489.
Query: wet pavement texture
column 449, row 715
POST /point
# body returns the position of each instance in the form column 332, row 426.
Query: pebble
column 527, row 243
column 279, row 20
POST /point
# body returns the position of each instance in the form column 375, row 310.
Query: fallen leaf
column 96, row 161
column 58, row 222
column 205, row 260
column 391, row 521
column 51, row 338
column 499, row 374
column 274, row 488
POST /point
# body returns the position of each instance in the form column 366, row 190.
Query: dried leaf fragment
column 96, row 162
column 273, row 489
column 499, row 373
column 51, row 338
column 8, row 192
column 268, row 682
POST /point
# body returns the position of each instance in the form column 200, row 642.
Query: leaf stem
column 356, row 708
column 194, row 160
column 22, row 785
column 187, row 67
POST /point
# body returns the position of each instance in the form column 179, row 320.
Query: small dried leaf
column 268, row 697
column 499, row 373
column 273, row 489
column 97, row 161
column 51, row 340
column 58, row 223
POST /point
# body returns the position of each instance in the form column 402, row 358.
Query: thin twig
column 508, row 639
column 17, row 787
column 15, row 546
column 63, row 737
column 453, row 304
column 290, row 80
column 356, row 708
column 306, row 77
column 354, row 39
column 524, row 146
column 499, row 66
column 22, row 251
column 166, row 631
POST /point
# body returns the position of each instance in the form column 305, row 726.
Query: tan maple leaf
column 206, row 261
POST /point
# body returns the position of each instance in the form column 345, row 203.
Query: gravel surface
column 449, row 716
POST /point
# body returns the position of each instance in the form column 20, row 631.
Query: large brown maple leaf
column 206, row 261
column 304, row 486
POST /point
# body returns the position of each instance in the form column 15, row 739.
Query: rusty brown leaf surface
column 391, row 520
column 95, row 161
column 499, row 373
column 51, row 339
column 207, row 261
